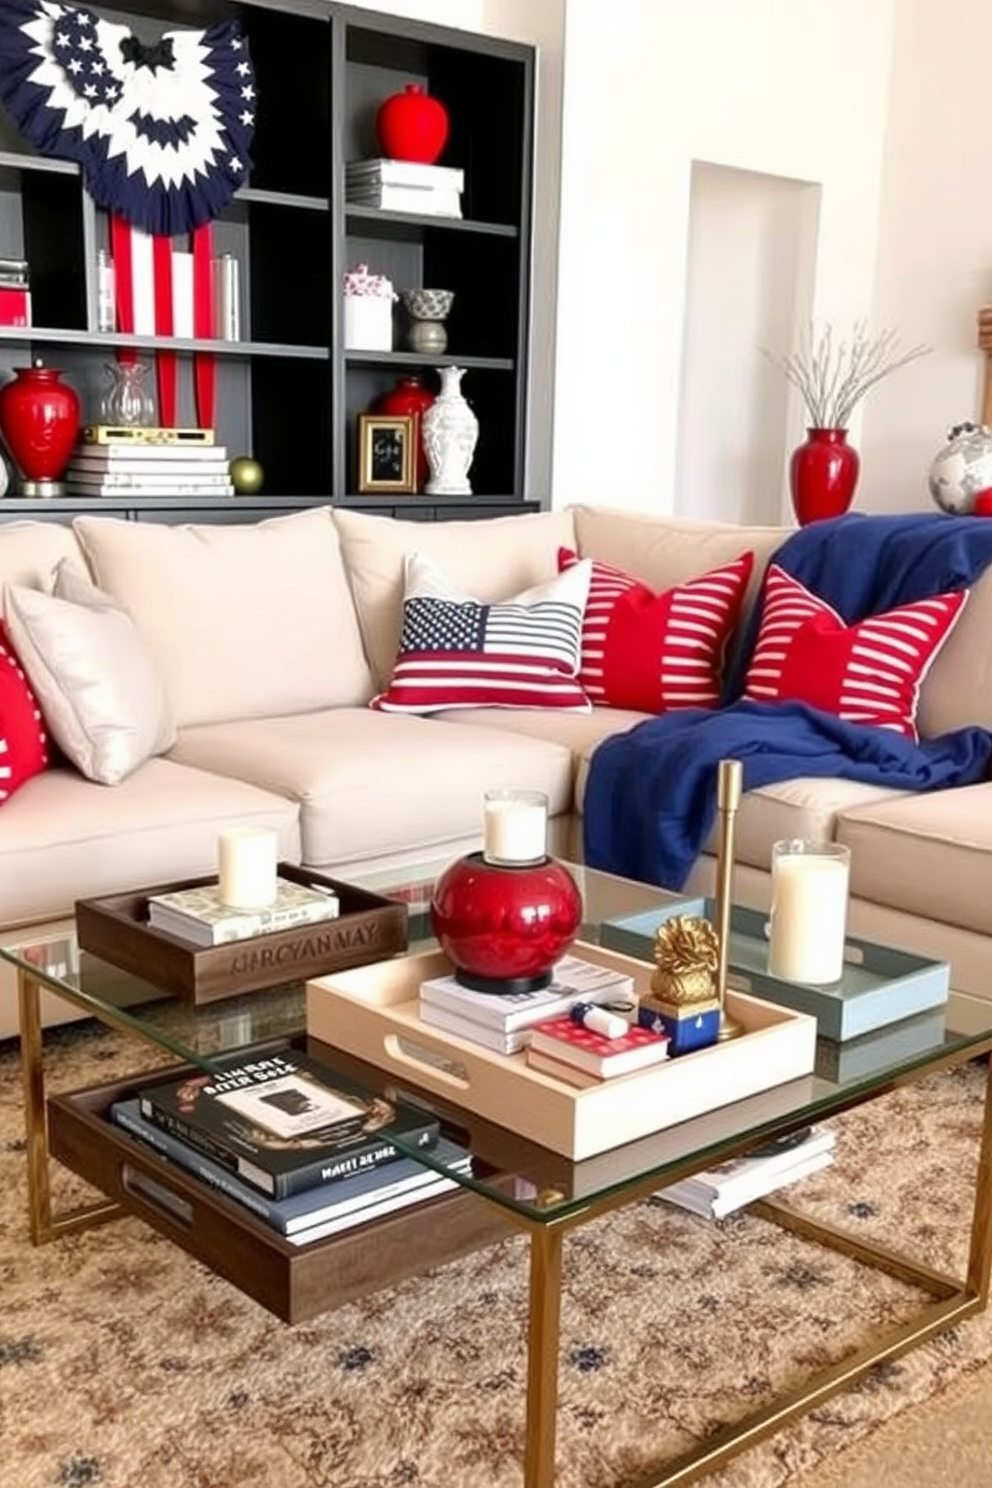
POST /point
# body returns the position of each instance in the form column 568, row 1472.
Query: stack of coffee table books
column 719, row 1191
column 305, row 1150
column 503, row 1023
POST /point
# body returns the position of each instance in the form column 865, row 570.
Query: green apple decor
column 246, row 475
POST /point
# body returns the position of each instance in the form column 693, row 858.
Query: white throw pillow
column 101, row 698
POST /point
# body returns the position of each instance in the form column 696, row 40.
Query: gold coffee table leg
column 42, row 1224
column 544, row 1319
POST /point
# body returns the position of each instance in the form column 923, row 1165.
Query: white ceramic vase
column 449, row 430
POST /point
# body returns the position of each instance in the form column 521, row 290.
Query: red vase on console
column 823, row 473
column 39, row 421
column 412, row 126
column 409, row 396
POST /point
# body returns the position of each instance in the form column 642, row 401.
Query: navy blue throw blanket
column 651, row 793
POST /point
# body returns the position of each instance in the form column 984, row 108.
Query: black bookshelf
column 288, row 393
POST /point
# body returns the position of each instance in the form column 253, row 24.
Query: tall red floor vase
column 823, row 473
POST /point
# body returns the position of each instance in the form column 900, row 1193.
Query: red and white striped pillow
column 460, row 652
column 868, row 673
column 23, row 741
column 657, row 652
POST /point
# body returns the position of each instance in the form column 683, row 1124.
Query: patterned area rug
column 125, row 1364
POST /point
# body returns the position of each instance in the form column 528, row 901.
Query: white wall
column 792, row 88
column 934, row 266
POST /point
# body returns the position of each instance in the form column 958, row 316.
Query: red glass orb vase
column 823, row 474
column 409, row 396
column 504, row 927
column 39, row 421
column 412, row 126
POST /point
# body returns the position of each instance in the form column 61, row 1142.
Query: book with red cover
column 569, row 1042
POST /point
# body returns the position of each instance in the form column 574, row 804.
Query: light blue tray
column 880, row 985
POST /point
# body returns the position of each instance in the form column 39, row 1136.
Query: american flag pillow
column 459, row 652
column 868, row 673
column 657, row 652
column 23, row 741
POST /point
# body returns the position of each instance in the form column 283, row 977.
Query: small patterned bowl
column 428, row 304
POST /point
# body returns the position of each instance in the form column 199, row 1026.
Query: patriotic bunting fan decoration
column 161, row 131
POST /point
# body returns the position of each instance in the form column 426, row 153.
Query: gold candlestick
column 728, row 798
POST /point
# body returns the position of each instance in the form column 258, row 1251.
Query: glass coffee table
column 531, row 1187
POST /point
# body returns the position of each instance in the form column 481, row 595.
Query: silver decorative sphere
column 962, row 469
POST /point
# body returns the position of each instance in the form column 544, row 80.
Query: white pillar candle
column 808, row 919
column 515, row 826
column 246, row 865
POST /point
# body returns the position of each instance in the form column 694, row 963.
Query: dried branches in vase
column 832, row 377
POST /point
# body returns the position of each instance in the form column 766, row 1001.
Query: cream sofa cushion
column 90, row 670
column 490, row 559
column 372, row 784
column 30, row 552
column 241, row 621
column 662, row 551
column 957, row 689
column 64, row 838
column 926, row 853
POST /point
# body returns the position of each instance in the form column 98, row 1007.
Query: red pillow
column 867, row 673
column 656, row 652
column 23, row 742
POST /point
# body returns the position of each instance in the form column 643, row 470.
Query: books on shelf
column 405, row 186
column 151, row 469
column 199, row 915
column 593, row 1053
column 729, row 1186
column 404, row 173
column 574, row 980
column 285, row 1122
column 307, row 1215
column 426, row 200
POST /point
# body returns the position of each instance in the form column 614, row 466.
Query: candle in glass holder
column 246, row 866
column 515, row 826
column 808, row 920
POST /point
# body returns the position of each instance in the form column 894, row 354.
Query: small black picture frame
column 387, row 453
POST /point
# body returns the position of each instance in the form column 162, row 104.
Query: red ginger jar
column 412, row 126
column 410, row 396
column 39, row 421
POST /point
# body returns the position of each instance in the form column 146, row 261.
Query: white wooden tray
column 372, row 1012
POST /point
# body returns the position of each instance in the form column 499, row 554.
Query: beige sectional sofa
column 271, row 638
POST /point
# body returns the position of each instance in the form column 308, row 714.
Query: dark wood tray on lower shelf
column 296, row 1283
column 115, row 927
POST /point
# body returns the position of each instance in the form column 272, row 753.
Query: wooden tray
column 115, row 928
column 880, row 984
column 373, row 1013
column 296, row 1282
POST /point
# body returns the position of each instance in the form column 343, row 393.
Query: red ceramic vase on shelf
column 412, row 126
column 409, row 396
column 39, row 421
column 823, row 473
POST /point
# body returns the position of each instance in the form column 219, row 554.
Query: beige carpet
column 125, row 1364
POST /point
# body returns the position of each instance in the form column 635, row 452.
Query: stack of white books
column 503, row 1023
column 150, row 470
column 729, row 1186
column 405, row 186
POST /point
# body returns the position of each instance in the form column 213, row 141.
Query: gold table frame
column 954, row 1298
